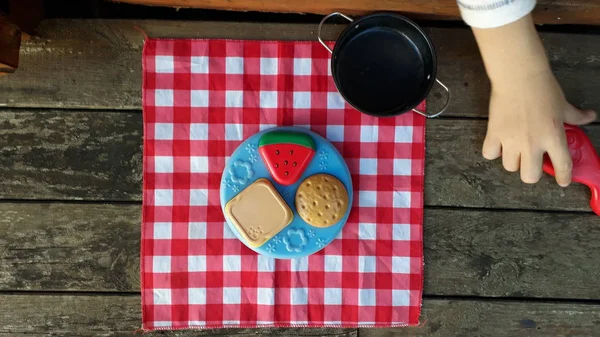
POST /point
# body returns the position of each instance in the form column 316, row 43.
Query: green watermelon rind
column 286, row 137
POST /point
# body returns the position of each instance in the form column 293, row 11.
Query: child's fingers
column 510, row 159
column 531, row 167
column 492, row 148
column 562, row 163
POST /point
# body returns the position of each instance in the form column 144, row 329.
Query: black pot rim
column 345, row 35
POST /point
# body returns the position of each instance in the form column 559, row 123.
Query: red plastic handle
column 586, row 163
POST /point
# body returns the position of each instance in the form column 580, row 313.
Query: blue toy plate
column 299, row 238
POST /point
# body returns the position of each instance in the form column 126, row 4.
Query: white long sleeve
column 494, row 13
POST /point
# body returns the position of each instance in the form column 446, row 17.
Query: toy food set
column 586, row 163
column 286, row 192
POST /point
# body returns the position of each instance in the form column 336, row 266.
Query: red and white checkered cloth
column 201, row 98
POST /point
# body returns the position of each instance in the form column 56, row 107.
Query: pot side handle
column 443, row 108
column 321, row 26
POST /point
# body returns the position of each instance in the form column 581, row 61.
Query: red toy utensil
column 586, row 163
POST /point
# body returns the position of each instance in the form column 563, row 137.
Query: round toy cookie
column 321, row 200
column 259, row 185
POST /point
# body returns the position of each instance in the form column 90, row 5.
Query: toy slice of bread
column 258, row 212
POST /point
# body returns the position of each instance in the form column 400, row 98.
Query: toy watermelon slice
column 287, row 154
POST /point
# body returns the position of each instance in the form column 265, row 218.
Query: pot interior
column 384, row 64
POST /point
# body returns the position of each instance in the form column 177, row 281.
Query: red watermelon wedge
column 286, row 154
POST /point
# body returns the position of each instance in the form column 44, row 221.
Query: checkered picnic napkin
column 201, row 98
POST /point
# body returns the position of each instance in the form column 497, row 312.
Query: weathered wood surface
column 97, row 64
column 114, row 315
column 107, row 315
column 74, row 247
column 511, row 254
column 71, row 155
column 446, row 318
column 93, row 247
column 98, row 156
column 547, row 11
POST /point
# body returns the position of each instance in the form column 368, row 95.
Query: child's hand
column 526, row 120
column 527, row 107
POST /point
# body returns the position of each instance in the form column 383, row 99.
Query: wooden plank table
column 546, row 12
column 501, row 258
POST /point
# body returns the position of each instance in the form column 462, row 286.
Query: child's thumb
column 576, row 116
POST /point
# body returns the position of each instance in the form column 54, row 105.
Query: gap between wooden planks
column 96, row 64
column 117, row 315
column 546, row 12
column 95, row 247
